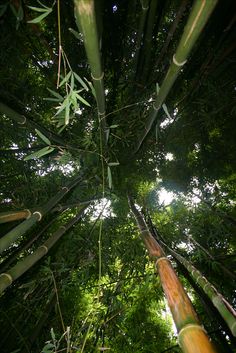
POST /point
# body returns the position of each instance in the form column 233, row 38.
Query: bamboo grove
column 107, row 110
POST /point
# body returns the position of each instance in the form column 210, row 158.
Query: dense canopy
column 117, row 126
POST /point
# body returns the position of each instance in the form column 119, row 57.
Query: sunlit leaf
column 166, row 110
column 43, row 137
column 65, row 79
column 91, row 87
column 76, row 34
column 113, row 163
column 39, row 153
column 41, row 17
column 37, row 9
column 79, row 79
column 113, row 126
column 55, row 94
column 82, row 100
column 72, row 82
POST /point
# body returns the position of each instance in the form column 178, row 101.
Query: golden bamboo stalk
column 191, row 335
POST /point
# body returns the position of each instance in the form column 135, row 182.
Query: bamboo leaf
column 91, row 87
column 55, row 94
column 113, row 126
column 63, row 105
column 48, row 348
column 79, row 79
column 39, row 153
column 41, row 17
column 76, row 34
column 111, row 164
column 37, row 9
column 72, row 81
column 82, row 100
column 65, row 79
column 109, row 177
column 45, row 5
column 62, row 128
column 43, row 137
column 67, row 114
column 51, row 99
column 166, row 110
column 53, row 334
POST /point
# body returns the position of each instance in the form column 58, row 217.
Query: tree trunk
column 191, row 335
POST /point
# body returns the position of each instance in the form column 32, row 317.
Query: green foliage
column 44, row 10
column 125, row 311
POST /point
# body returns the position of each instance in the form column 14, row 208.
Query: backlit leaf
column 39, row 153
column 43, row 137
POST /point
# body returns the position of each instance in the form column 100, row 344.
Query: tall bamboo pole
column 86, row 22
column 15, row 233
column 198, row 17
column 220, row 303
column 23, row 247
column 217, row 299
column 142, row 21
column 191, row 335
column 21, row 267
column 23, row 121
column 10, row 216
column 171, row 32
column 148, row 38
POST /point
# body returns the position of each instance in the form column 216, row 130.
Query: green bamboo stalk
column 220, row 303
column 191, row 335
column 171, row 32
column 197, row 20
column 11, row 216
column 223, row 268
column 86, row 22
column 146, row 52
column 142, row 22
column 23, row 246
column 15, row 233
column 22, row 120
column 217, row 299
column 21, row 267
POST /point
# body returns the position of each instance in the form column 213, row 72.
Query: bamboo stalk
column 6, row 279
column 23, row 121
column 217, row 299
column 220, row 303
column 223, row 268
column 16, row 232
column 142, row 21
column 171, row 32
column 198, row 17
column 147, row 45
column 191, row 335
column 11, row 216
column 86, row 22
column 23, row 246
